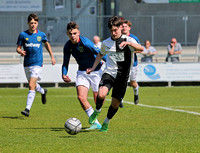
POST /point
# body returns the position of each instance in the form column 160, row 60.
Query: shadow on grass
column 13, row 117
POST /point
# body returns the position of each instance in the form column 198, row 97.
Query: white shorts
column 33, row 72
column 87, row 80
column 133, row 74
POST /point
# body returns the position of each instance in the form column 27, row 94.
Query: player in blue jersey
column 84, row 51
column 119, row 49
column 126, row 30
column 31, row 40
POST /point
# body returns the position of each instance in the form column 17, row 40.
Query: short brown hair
column 72, row 25
column 128, row 23
column 114, row 21
column 33, row 16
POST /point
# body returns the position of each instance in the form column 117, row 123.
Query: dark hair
column 115, row 21
column 128, row 23
column 72, row 25
column 33, row 16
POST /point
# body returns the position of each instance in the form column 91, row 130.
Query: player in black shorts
column 119, row 50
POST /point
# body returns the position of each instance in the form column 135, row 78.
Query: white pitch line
column 159, row 107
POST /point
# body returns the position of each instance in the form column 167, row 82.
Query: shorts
column 87, row 80
column 119, row 85
column 33, row 72
column 133, row 74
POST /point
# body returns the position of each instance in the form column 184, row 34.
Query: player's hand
column 89, row 70
column 123, row 44
column 53, row 61
column 66, row 78
column 22, row 53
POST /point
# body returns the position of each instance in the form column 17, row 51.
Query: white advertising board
column 162, row 72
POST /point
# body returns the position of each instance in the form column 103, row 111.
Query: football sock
column 39, row 89
column 99, row 103
column 136, row 90
column 89, row 112
column 30, row 99
column 111, row 112
column 107, row 120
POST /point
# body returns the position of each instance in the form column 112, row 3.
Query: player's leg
column 36, row 72
column 134, row 84
column 104, row 86
column 42, row 91
column 82, row 86
column 118, row 92
column 31, row 96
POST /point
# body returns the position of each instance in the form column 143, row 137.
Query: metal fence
column 158, row 29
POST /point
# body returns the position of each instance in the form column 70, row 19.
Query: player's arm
column 96, row 62
column 20, row 51
column 136, row 46
column 48, row 48
column 66, row 58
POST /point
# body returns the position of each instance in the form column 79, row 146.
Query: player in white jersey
column 31, row 40
column 119, row 50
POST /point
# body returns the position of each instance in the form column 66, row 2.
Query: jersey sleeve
column 20, row 40
column 66, row 58
column 132, row 40
column 44, row 37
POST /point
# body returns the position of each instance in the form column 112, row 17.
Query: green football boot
column 93, row 117
column 104, row 127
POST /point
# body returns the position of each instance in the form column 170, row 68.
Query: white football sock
column 39, row 89
column 30, row 99
column 136, row 90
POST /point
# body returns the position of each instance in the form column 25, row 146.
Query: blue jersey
column 84, row 53
column 32, row 44
column 135, row 63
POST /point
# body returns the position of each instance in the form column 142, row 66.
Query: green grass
column 135, row 128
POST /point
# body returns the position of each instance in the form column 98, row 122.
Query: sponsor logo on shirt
column 32, row 45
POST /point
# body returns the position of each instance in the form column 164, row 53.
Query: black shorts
column 119, row 85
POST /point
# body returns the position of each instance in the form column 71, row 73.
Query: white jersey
column 119, row 59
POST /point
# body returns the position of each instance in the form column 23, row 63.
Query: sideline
column 159, row 107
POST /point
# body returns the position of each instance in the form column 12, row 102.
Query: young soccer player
column 84, row 51
column 126, row 31
column 31, row 40
column 119, row 50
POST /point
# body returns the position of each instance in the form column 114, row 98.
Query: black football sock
column 99, row 103
column 111, row 112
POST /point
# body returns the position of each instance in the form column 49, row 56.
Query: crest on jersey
column 26, row 39
column 81, row 49
column 39, row 38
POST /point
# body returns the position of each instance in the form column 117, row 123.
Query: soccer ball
column 73, row 126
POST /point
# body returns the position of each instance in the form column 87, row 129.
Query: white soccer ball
column 73, row 126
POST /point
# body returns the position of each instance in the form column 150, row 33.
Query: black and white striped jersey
column 119, row 60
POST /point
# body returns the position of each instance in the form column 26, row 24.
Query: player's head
column 126, row 27
column 73, row 32
column 33, row 22
column 96, row 39
column 115, row 26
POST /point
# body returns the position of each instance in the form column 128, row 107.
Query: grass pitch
column 167, row 120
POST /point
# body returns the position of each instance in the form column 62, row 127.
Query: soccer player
column 84, row 51
column 32, row 40
column 119, row 50
column 126, row 31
